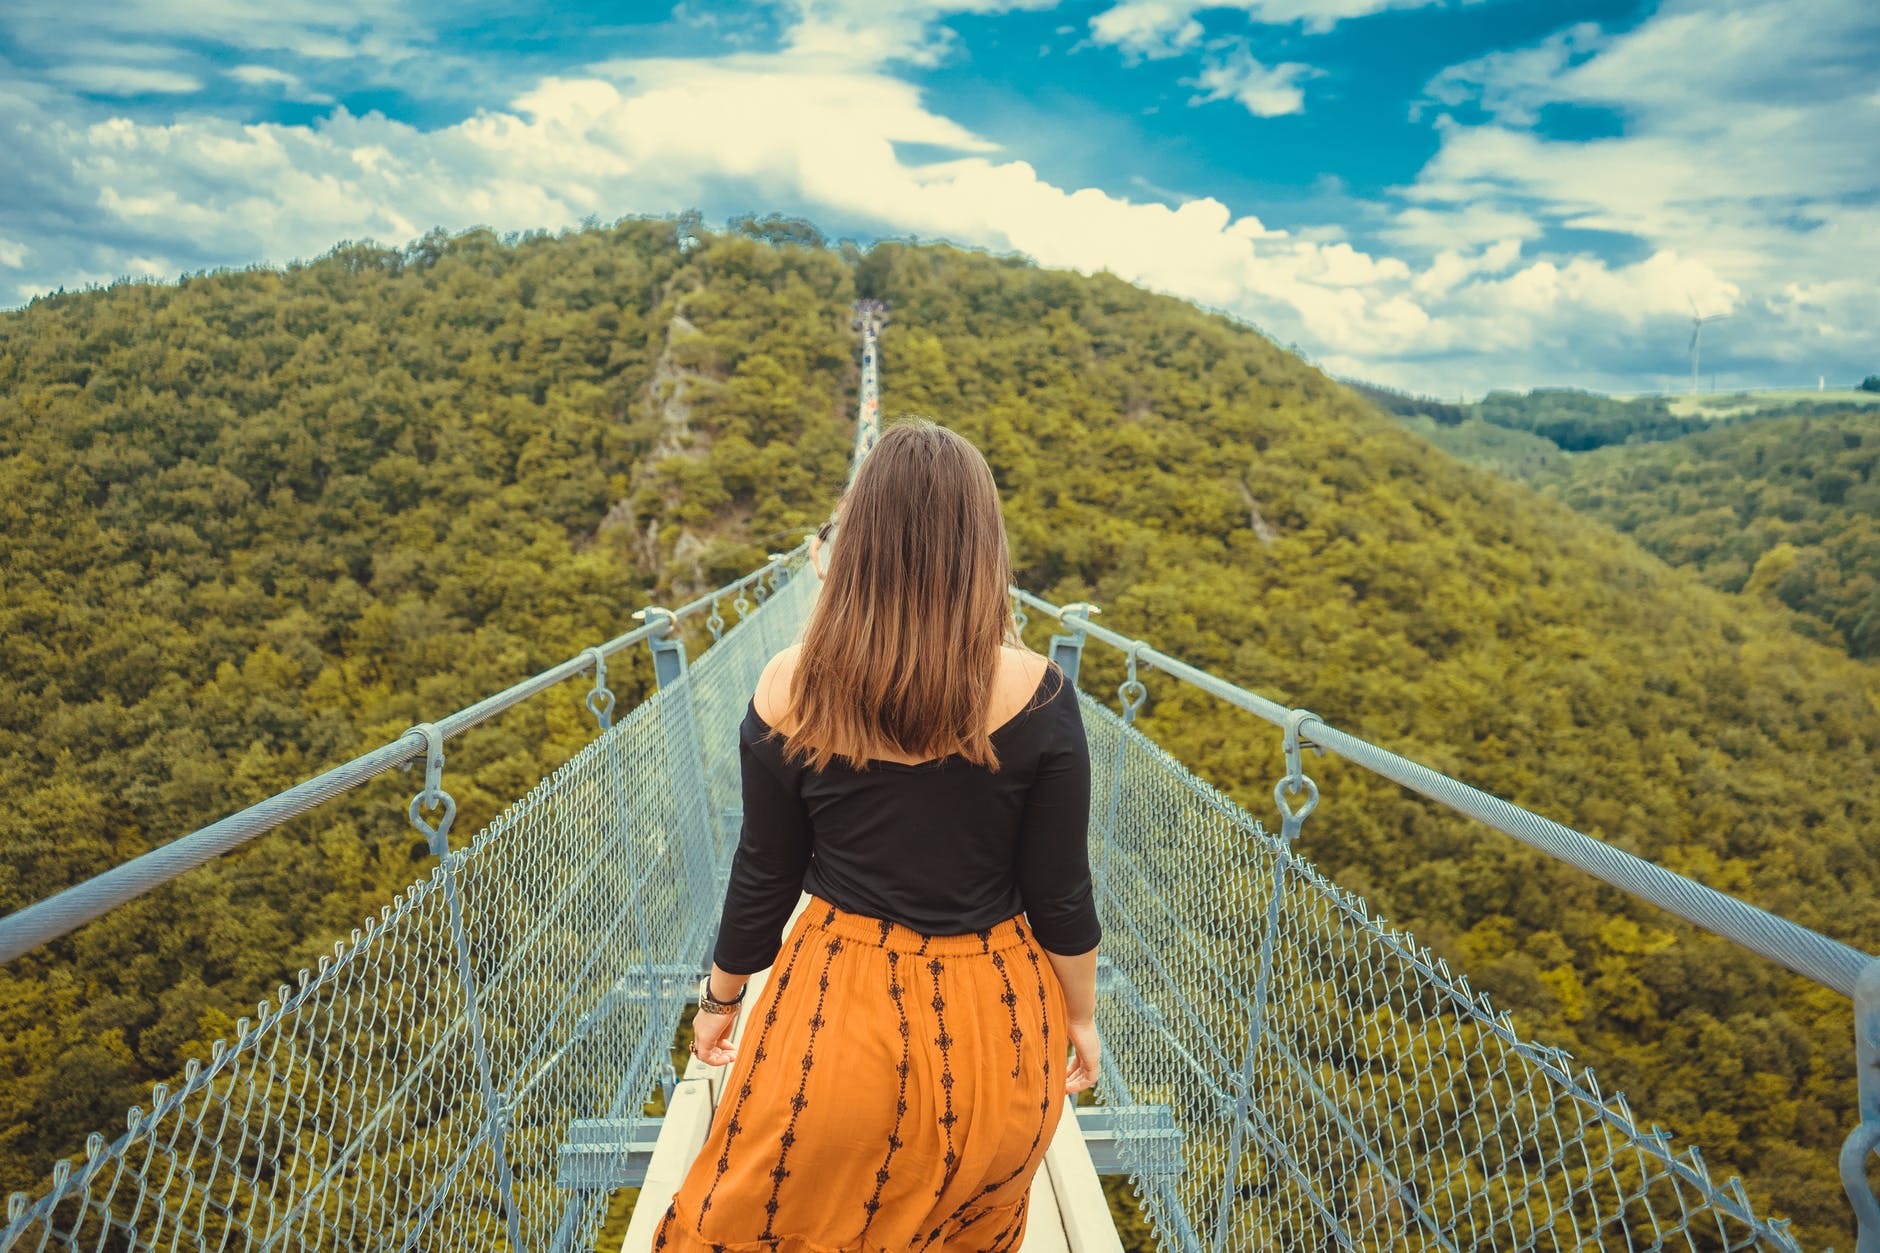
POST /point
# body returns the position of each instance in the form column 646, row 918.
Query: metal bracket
column 1068, row 650
column 668, row 652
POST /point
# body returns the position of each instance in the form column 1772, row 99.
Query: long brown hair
column 902, row 648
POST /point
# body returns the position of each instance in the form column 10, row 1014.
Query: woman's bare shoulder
column 1028, row 666
column 773, row 685
column 1021, row 671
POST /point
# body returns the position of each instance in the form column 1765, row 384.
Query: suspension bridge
column 472, row 1067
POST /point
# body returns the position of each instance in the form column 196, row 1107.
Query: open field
column 1726, row 404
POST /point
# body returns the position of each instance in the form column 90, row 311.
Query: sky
column 1446, row 196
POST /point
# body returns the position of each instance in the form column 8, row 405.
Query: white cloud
column 289, row 85
column 1149, row 28
column 793, row 134
column 1743, row 149
column 873, row 32
column 1755, row 201
column 1158, row 28
column 380, row 29
column 125, row 80
column 1512, row 83
column 1450, row 268
column 1168, row 195
column 1456, row 224
column 1265, row 90
column 179, row 46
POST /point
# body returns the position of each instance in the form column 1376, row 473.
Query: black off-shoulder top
column 945, row 847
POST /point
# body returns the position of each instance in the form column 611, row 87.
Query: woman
column 924, row 777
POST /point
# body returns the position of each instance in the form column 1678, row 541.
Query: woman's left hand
column 709, row 1044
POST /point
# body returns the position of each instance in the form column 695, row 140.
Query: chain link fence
column 1290, row 1072
column 414, row 1090
column 1285, row 1070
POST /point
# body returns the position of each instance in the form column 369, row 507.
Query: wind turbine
column 1697, row 334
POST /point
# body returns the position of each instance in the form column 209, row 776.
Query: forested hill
column 1781, row 506
column 260, row 521
column 1787, row 509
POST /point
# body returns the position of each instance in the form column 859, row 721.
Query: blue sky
column 1445, row 196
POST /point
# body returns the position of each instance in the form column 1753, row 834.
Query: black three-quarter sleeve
column 767, row 869
column 1053, row 839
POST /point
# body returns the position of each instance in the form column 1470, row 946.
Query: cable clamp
column 1295, row 779
column 433, row 795
column 1131, row 691
column 600, row 701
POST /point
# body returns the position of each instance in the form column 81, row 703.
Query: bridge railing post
column 1068, row 650
column 1131, row 694
column 698, row 832
column 668, row 652
column 1865, row 1138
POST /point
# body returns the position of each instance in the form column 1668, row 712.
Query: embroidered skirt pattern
column 893, row 1092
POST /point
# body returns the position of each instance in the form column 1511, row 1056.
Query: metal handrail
column 47, row 920
column 1808, row 953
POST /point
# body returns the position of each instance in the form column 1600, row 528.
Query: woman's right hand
column 818, row 541
column 1086, row 1056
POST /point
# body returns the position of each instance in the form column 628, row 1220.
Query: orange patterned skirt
column 893, row 1091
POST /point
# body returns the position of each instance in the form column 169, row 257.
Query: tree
column 778, row 229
